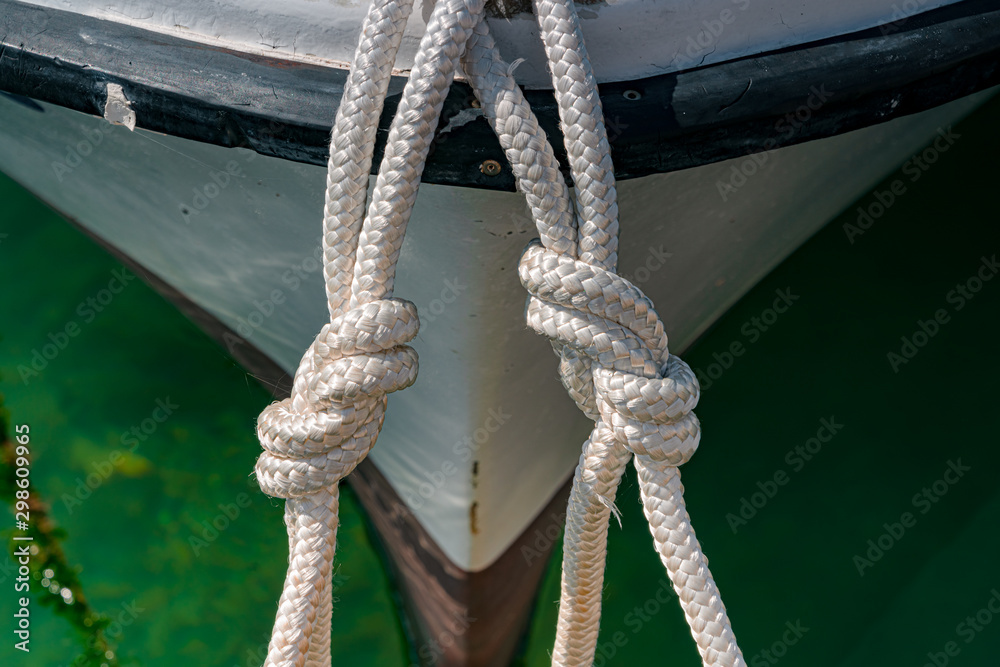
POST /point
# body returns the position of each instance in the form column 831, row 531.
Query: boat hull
column 471, row 457
column 215, row 199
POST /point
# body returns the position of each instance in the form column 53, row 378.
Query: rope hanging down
column 614, row 359
column 318, row 436
column 613, row 351
column 616, row 365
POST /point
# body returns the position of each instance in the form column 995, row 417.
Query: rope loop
column 652, row 417
column 325, row 429
column 563, row 281
column 615, row 362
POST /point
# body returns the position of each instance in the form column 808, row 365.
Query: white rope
column 352, row 143
column 524, row 143
column 613, row 350
column 603, row 460
column 586, row 138
column 312, row 524
column 326, row 428
column 614, row 357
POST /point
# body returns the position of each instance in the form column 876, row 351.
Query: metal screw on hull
column 490, row 167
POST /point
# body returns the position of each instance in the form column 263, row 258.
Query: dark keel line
column 657, row 124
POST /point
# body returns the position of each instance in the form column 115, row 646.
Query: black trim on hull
column 664, row 123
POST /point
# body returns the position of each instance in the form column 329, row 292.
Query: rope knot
column 316, row 437
column 614, row 360
column 652, row 417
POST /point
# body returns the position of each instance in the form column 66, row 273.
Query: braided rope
column 352, row 143
column 410, row 136
column 686, row 564
column 614, row 358
column 644, row 397
column 523, row 141
column 589, row 153
column 586, row 137
column 592, row 497
column 301, row 634
column 316, row 437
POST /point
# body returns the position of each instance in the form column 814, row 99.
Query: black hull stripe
column 675, row 121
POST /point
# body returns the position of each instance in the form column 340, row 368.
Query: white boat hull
column 727, row 161
column 487, row 436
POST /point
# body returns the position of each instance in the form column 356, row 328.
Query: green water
column 132, row 535
column 792, row 565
